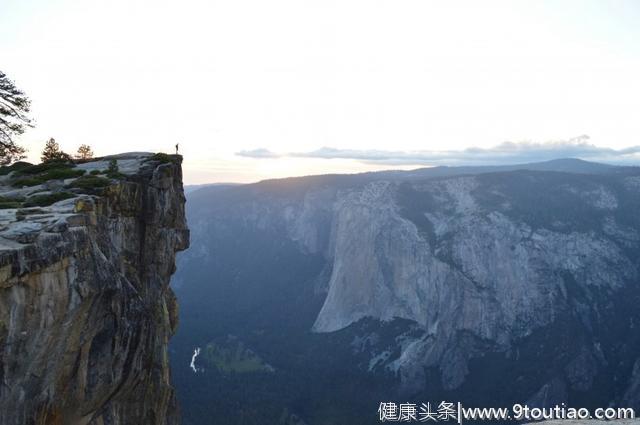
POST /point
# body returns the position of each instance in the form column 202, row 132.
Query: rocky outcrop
column 86, row 312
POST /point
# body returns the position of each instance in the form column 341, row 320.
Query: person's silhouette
column 177, row 148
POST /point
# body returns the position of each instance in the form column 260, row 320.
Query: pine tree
column 52, row 152
column 14, row 119
column 84, row 152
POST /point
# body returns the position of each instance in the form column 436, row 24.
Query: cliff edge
column 86, row 311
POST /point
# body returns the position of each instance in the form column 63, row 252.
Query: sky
column 259, row 89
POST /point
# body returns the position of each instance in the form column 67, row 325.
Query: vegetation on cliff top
column 162, row 157
column 13, row 202
column 47, row 199
column 57, row 173
column 58, row 166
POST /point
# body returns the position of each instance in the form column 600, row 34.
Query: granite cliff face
column 86, row 312
column 485, row 286
column 476, row 276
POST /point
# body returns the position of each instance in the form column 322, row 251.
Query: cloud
column 504, row 153
column 259, row 153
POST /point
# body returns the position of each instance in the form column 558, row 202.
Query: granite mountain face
column 488, row 285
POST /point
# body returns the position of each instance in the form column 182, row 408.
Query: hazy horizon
column 255, row 90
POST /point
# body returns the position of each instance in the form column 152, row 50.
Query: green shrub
column 41, row 168
column 27, row 181
column 89, row 182
column 116, row 175
column 62, row 173
column 59, row 173
column 113, row 171
column 45, row 200
column 95, row 172
column 16, row 166
column 161, row 157
column 9, row 204
column 13, row 199
column 113, row 166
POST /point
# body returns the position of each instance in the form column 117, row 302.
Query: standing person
column 177, row 148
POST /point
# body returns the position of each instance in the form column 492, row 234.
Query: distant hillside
column 193, row 187
column 485, row 285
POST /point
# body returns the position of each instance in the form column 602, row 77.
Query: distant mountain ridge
column 193, row 187
column 566, row 165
